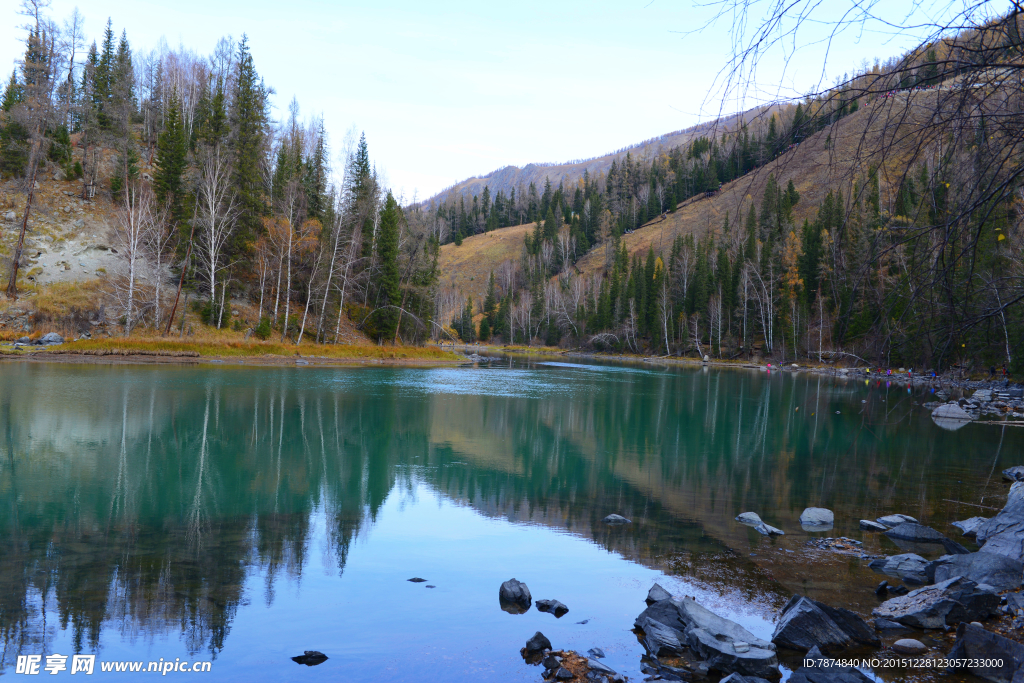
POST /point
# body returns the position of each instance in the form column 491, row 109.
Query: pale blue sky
column 449, row 90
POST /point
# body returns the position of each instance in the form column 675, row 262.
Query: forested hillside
column 877, row 221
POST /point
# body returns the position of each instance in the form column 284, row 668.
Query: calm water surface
column 243, row 515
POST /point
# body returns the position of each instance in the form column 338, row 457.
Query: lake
column 241, row 515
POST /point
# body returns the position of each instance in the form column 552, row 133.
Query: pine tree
column 248, row 120
column 171, row 160
column 491, row 301
column 389, row 297
column 13, row 93
column 103, row 78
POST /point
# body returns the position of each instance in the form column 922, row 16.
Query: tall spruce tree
column 171, row 160
column 388, row 292
column 248, row 122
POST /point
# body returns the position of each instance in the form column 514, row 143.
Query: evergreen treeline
column 241, row 206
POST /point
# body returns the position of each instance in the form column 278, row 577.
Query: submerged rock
column 616, row 519
column 749, row 518
column 657, row 594
column 997, row 571
column 906, row 565
column 752, row 519
column 514, row 597
column 918, row 533
column 944, row 604
column 868, row 525
column 975, row 645
column 596, row 652
column 724, row 645
column 817, row 517
column 553, row 606
column 805, row 623
column 417, row 579
column 969, row 527
column 310, row 658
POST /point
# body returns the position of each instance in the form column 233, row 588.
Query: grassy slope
column 815, row 166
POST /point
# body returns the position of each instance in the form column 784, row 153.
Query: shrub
column 262, row 331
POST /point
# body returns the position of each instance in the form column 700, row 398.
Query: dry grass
column 228, row 348
column 56, row 300
column 469, row 266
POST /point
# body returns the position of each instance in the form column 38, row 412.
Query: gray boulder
column 514, row 597
column 805, row 623
column 748, row 518
column 657, row 594
column 553, row 606
column 906, row 565
column 977, row 645
column 817, row 517
column 918, row 533
column 1015, row 473
column 894, row 520
column 997, row 571
column 969, row 527
column 51, row 338
column 868, row 525
column 1003, row 534
column 950, row 416
column 537, row 644
column 724, row 645
column 944, row 604
column 820, row 673
column 616, row 519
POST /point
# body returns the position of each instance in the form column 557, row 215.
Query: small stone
column 909, row 646
column 417, row 579
column 596, row 652
column 514, row 597
column 895, row 520
column 740, row 646
column 657, row 594
column 563, row 674
column 882, row 588
column 616, row 519
column 552, row 606
column 600, row 668
column 868, row 525
column 310, row 658
column 817, row 517
column 429, row 586
column 551, row 662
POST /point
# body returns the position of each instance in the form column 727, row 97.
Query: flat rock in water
column 417, row 579
column 537, row 644
column 969, row 527
column 977, row 645
column 909, row 646
column 514, row 597
column 724, row 645
column 944, row 604
column 596, row 653
column 1015, row 473
column 616, row 519
column 553, row 606
column 750, row 518
column 919, row 533
column 1003, row 534
column 817, row 517
column 657, row 594
column 998, row 571
column 310, row 658
column 868, row 525
column 820, row 673
column 904, row 565
column 805, row 623
column 894, row 520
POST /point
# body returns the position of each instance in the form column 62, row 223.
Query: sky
column 450, row 90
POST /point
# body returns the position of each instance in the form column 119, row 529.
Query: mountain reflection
column 137, row 500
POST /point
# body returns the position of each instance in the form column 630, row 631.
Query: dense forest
column 921, row 267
